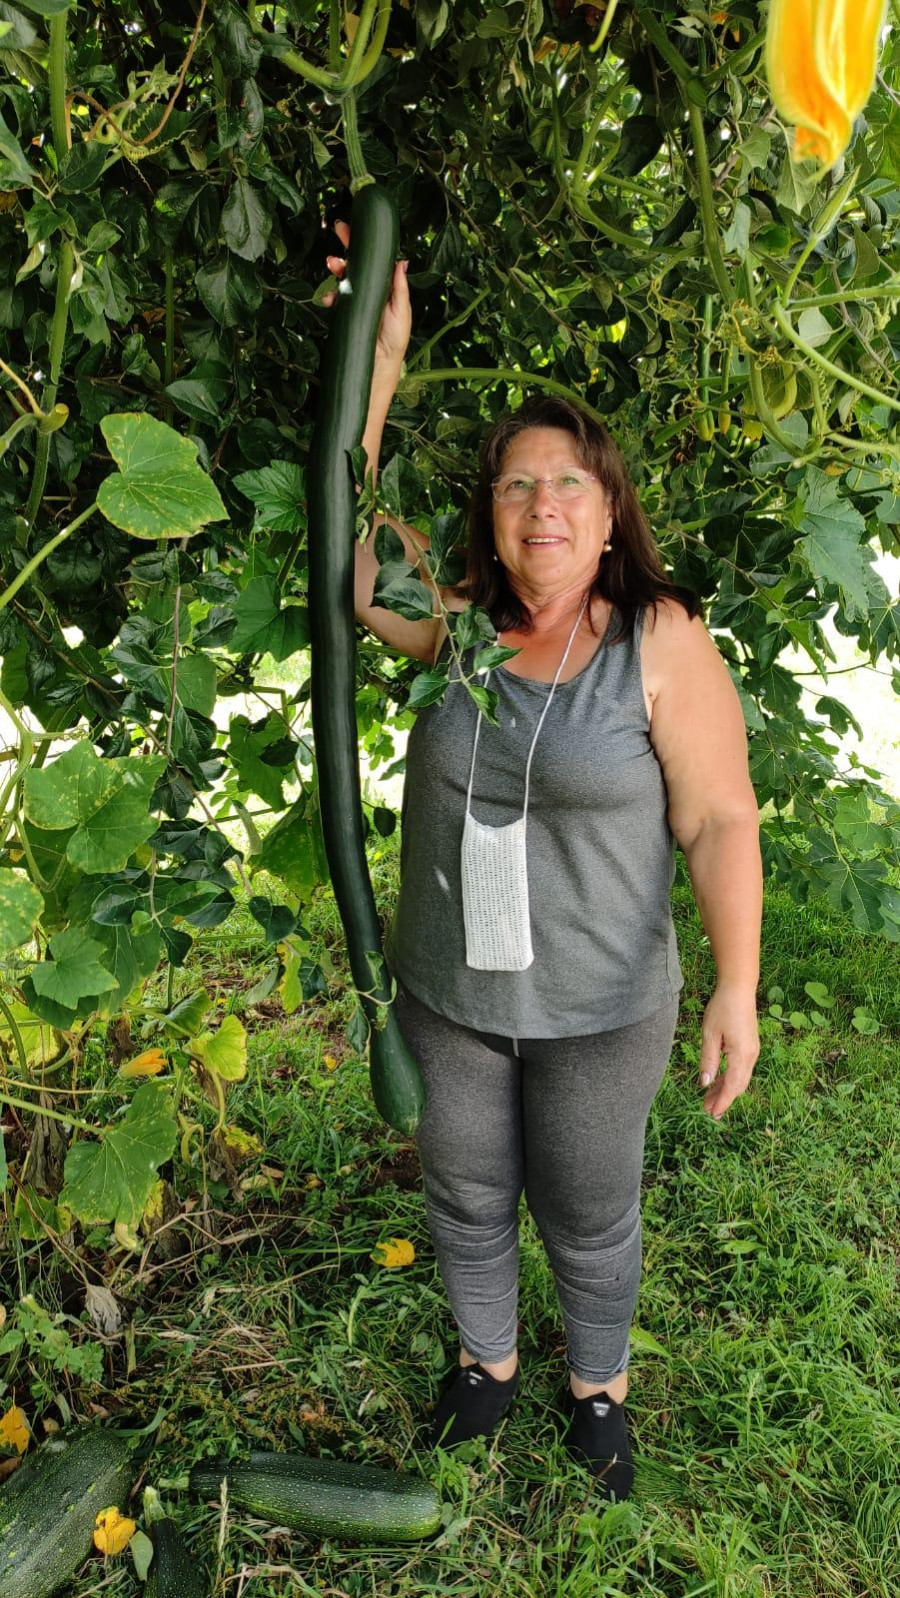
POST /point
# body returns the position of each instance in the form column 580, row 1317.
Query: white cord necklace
column 496, row 912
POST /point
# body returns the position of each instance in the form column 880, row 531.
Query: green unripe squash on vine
column 779, row 381
column 346, row 381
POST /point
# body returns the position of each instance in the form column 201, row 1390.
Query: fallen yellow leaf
column 14, row 1429
column 329, row 1062
column 241, row 1142
column 112, row 1531
column 394, row 1253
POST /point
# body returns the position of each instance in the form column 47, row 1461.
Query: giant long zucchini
column 48, row 1532
column 346, row 380
column 329, row 1497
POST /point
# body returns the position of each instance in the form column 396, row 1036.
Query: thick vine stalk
column 65, row 264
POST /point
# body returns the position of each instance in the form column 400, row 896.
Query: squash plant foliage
column 594, row 201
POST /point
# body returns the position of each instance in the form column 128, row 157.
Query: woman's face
column 547, row 545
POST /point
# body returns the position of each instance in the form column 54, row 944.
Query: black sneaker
column 472, row 1406
column 598, row 1438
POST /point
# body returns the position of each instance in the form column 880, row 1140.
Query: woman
column 533, row 945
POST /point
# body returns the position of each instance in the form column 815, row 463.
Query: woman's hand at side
column 729, row 1027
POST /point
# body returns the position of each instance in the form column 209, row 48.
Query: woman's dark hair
column 630, row 574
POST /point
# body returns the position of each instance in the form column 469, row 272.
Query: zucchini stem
column 359, row 176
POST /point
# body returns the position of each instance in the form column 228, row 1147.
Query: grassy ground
column 765, row 1363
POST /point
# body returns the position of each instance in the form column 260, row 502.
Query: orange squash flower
column 821, row 57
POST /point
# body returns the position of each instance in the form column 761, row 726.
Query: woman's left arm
column 697, row 732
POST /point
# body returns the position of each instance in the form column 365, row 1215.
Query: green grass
column 765, row 1364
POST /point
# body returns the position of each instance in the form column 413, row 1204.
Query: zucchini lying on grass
column 174, row 1572
column 329, row 1497
column 345, row 384
column 47, row 1520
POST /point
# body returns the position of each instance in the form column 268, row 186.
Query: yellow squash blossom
column 112, row 1531
column 150, row 1063
column 821, row 57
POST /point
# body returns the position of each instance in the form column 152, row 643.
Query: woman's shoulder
column 669, row 620
column 673, row 643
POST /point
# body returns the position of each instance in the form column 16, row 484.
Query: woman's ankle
column 617, row 1387
column 502, row 1369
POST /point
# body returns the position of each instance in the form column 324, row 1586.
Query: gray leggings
column 563, row 1118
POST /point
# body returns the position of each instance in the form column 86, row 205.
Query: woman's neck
column 559, row 610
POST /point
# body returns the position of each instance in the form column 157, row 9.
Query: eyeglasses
column 514, row 489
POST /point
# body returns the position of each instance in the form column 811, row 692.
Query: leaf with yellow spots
column 113, row 1531
column 150, row 1063
column 153, row 1209
column 241, row 1142
column 14, row 1431
column 394, row 1253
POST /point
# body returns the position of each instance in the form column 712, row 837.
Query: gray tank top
column 601, row 858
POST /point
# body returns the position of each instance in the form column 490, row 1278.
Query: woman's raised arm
column 417, row 639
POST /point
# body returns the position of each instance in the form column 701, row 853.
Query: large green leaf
column 16, row 32
column 246, row 224
column 20, row 907
column 110, row 1180
column 196, row 680
column 76, row 970
column 204, row 395
column 262, row 627
column 292, row 851
column 106, row 802
column 276, row 920
column 159, row 490
column 71, row 788
column 131, row 954
column 399, row 589
column 858, row 886
column 225, row 1051
column 833, row 542
column 262, row 757
column 278, row 493
column 230, row 289
column 14, row 169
